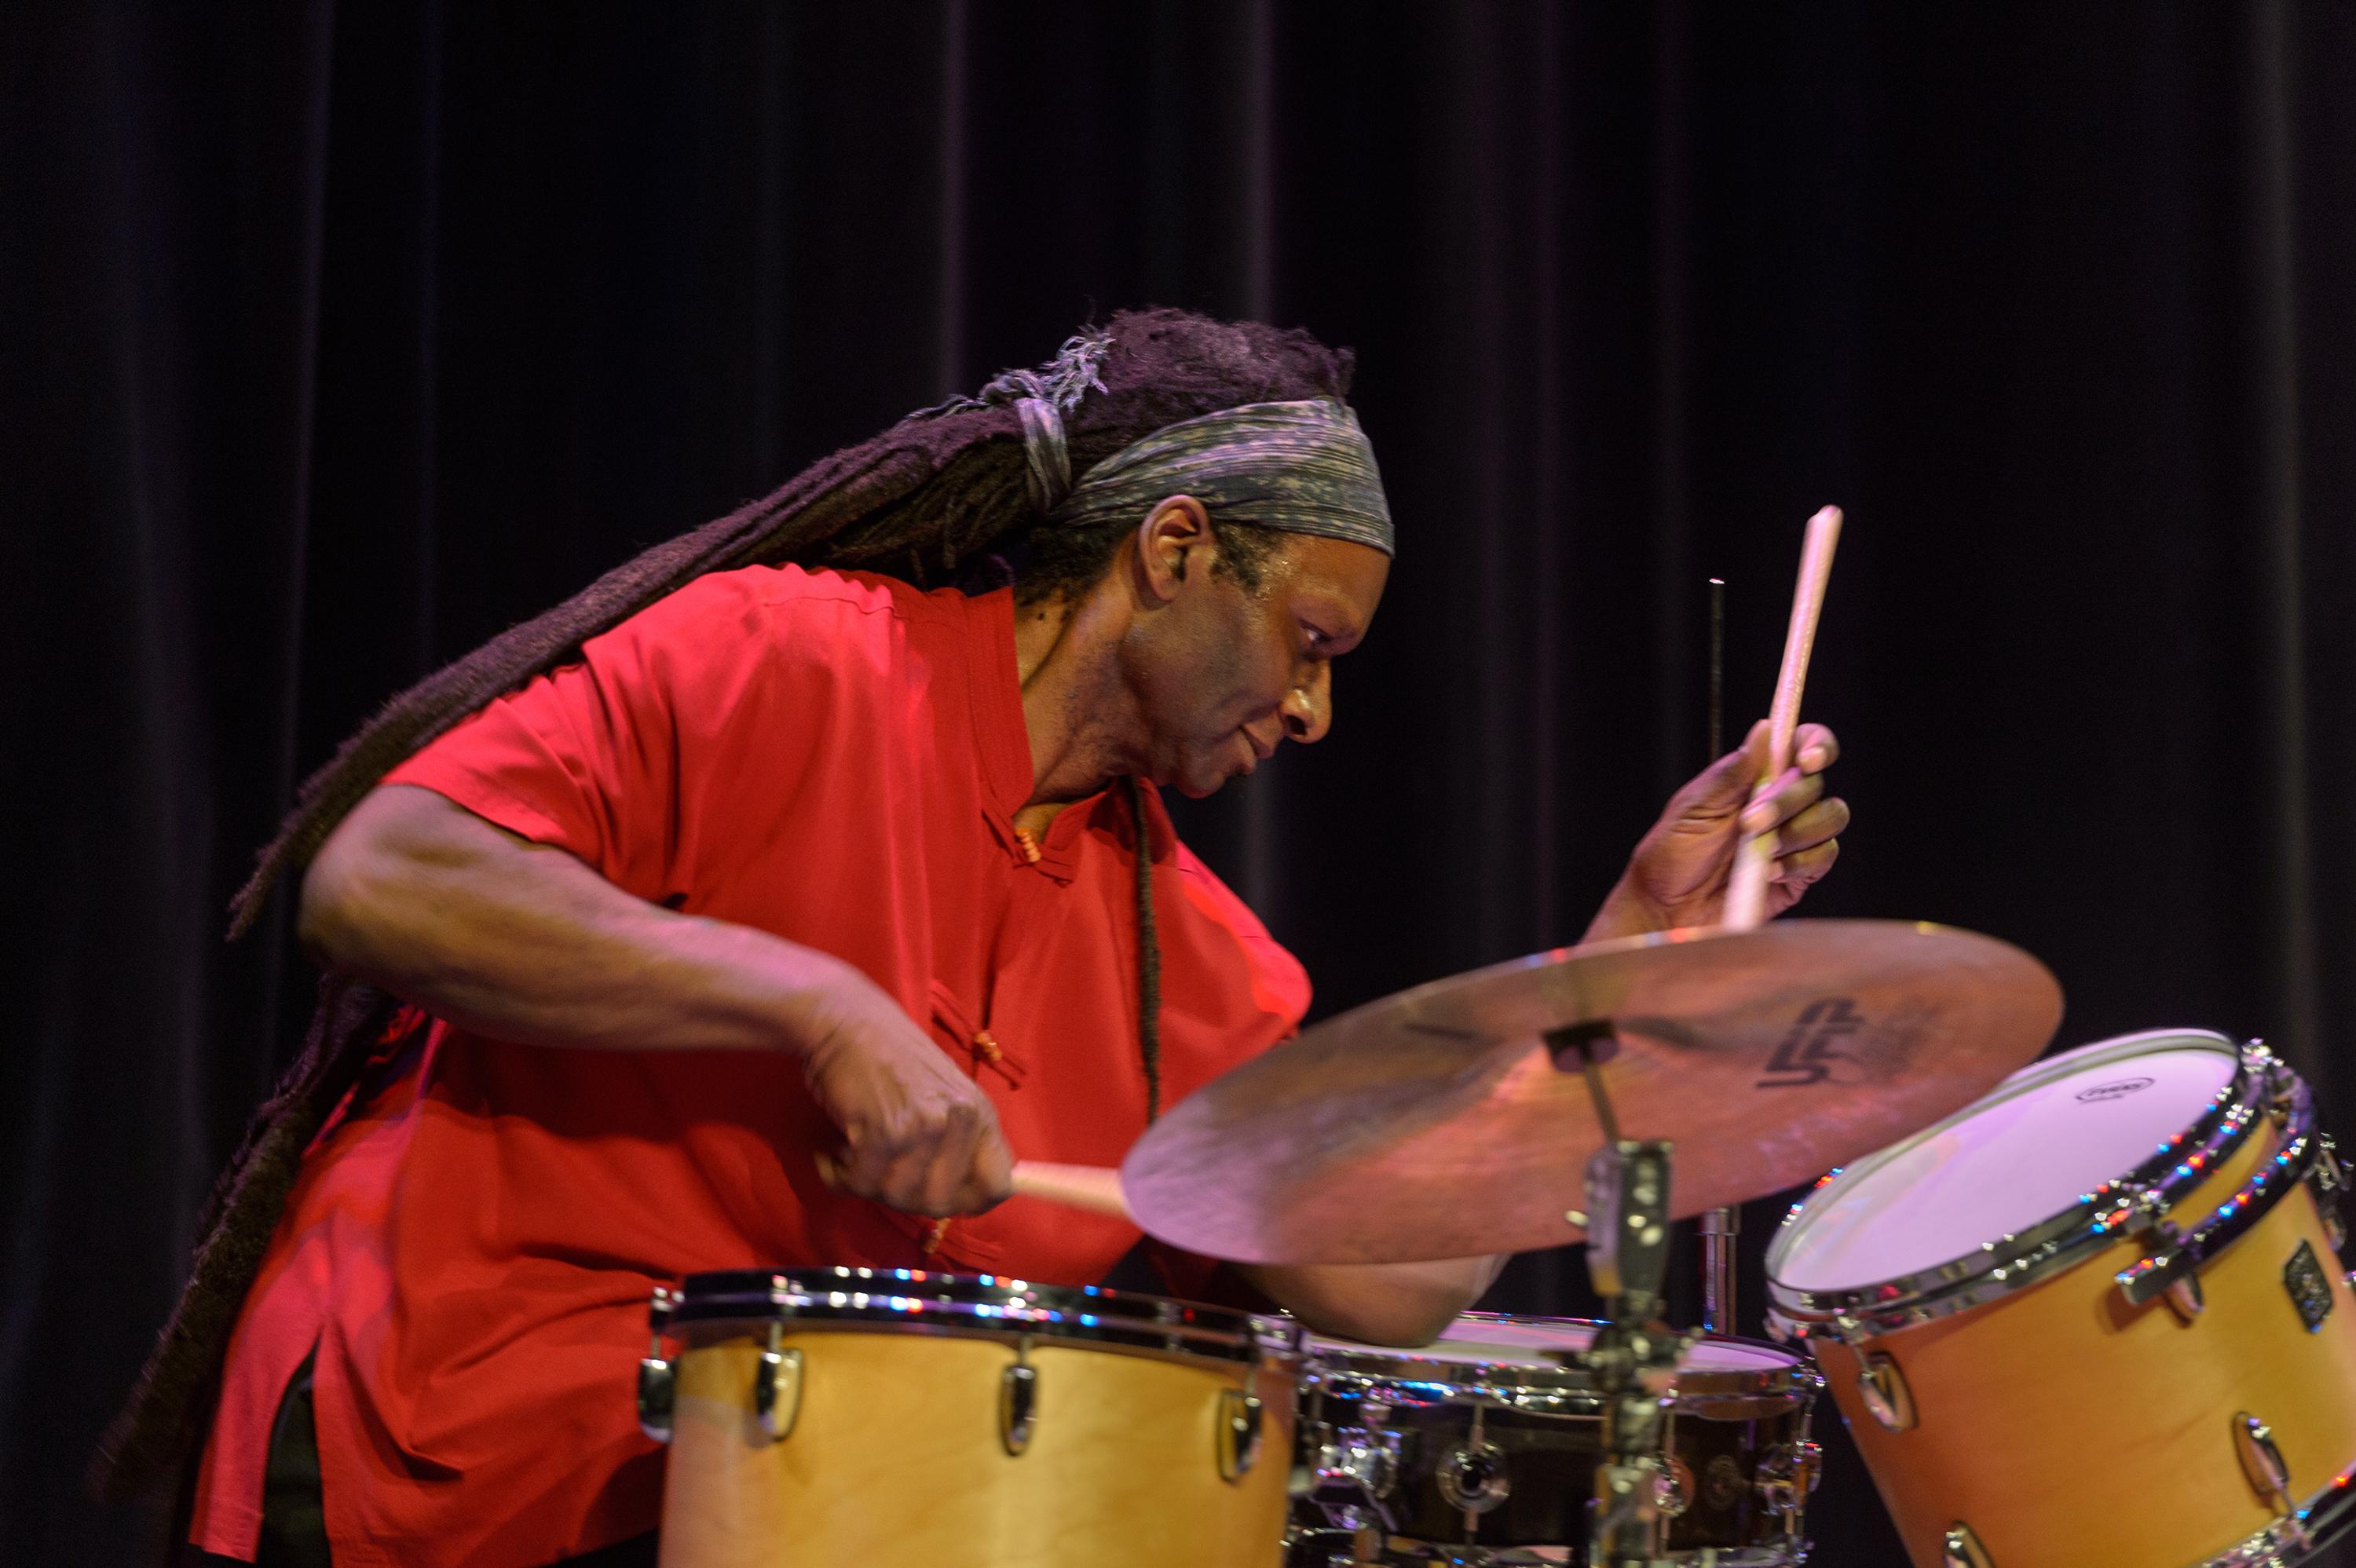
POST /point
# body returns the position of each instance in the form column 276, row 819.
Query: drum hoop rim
column 993, row 1304
column 1523, row 1385
column 2055, row 1245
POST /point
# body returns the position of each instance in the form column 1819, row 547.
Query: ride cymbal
column 1452, row 1120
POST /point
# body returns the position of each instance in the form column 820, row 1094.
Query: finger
column 1814, row 748
column 1727, row 783
column 903, row 1187
column 992, row 1171
column 863, row 1165
column 1793, row 792
column 883, row 1162
column 950, row 1160
column 1826, row 819
column 1795, row 874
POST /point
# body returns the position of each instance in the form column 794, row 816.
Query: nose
column 1308, row 709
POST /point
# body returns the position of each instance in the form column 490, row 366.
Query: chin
column 1200, row 784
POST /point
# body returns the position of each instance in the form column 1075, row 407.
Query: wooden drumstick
column 1095, row 1187
column 1754, row 857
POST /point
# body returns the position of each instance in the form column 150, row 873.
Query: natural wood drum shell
column 2070, row 1429
column 894, row 1459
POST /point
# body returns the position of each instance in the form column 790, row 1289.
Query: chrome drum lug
column 777, row 1386
column 657, row 1393
column 2262, row 1462
column 1883, row 1389
column 1018, row 1400
column 1959, row 1548
column 1788, row 1473
column 1240, row 1429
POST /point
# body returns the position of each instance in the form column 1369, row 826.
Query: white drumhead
column 2022, row 1155
column 1488, row 1340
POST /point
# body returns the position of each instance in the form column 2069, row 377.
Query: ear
column 1173, row 543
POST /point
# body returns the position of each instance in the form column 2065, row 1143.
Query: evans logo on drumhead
column 2118, row 1088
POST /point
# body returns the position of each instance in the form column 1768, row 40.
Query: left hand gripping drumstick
column 1754, row 856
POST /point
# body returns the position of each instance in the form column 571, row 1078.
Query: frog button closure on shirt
column 954, row 1027
column 987, row 1052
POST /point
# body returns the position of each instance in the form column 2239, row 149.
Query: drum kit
column 2087, row 1311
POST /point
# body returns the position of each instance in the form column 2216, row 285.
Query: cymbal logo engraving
column 1805, row 1055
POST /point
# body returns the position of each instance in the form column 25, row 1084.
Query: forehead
column 1340, row 569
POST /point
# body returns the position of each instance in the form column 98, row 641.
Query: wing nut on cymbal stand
column 1633, row 1358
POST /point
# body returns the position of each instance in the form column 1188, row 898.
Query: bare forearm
column 525, row 942
column 1380, row 1303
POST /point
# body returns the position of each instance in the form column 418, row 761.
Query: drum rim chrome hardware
column 2263, row 1465
column 2135, row 1201
column 2180, row 1258
column 1018, row 1399
column 1396, row 1548
column 1789, row 1475
column 1882, row 1388
column 2322, row 1520
column 1540, row 1388
column 1959, row 1548
column 925, row 1301
column 777, row 1386
column 1366, row 1457
column 1243, row 1428
column 657, row 1374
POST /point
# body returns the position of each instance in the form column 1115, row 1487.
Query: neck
column 1074, row 705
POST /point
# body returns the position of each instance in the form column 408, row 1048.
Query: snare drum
column 1483, row 1449
column 895, row 1419
column 2097, row 1316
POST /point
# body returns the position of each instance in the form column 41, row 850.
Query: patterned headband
column 1303, row 466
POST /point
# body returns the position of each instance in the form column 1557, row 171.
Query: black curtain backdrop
column 336, row 338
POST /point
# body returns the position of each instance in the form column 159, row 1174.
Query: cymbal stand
column 1720, row 1226
column 1717, row 1229
column 1633, row 1358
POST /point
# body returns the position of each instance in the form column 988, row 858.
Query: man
column 771, row 926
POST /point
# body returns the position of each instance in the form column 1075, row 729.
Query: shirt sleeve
column 604, row 757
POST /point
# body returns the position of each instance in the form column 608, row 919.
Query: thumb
column 1726, row 785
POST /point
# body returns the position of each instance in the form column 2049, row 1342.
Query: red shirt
column 831, row 758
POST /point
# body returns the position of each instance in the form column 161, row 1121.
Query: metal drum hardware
column 777, row 1386
column 2015, row 1258
column 2262, row 1461
column 1883, row 1389
column 1788, row 1474
column 1360, row 1461
column 1473, row 1475
column 657, row 1375
column 1959, row 1548
column 1240, row 1419
column 919, row 1394
column 1390, row 1445
column 1018, row 1399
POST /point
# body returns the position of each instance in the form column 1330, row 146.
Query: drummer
column 768, row 926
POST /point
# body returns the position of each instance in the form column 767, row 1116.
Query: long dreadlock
column 939, row 491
